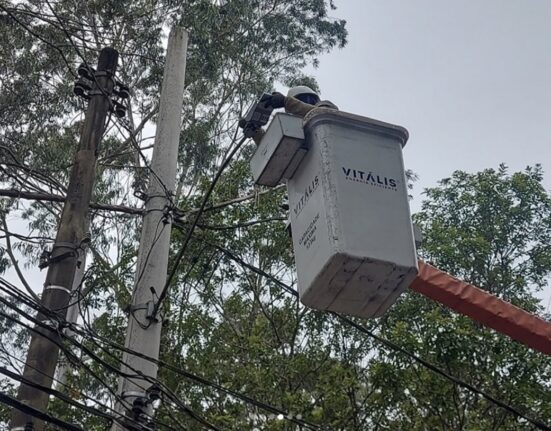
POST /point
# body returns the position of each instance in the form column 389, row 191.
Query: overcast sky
column 469, row 79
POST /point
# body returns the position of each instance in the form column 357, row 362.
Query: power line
column 87, row 351
column 198, row 379
column 391, row 345
column 31, row 411
column 103, row 363
column 62, row 322
column 37, row 36
column 515, row 411
column 57, row 394
column 147, row 166
column 189, row 234
column 82, row 394
column 72, row 358
column 435, row 369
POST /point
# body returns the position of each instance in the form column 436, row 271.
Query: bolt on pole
column 43, row 353
column 144, row 328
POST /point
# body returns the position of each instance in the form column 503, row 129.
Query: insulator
column 138, row 406
column 154, row 392
column 81, row 88
column 85, row 71
column 123, row 91
column 120, row 110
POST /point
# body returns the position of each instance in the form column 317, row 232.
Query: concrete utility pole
column 43, row 354
column 144, row 329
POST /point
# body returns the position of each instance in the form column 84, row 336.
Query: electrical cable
column 188, row 375
column 31, row 411
column 147, row 166
column 70, row 388
column 60, row 395
column 94, row 357
column 393, row 346
column 75, row 360
column 100, row 361
column 72, row 359
column 144, row 267
column 241, row 225
column 515, row 411
column 198, row 215
column 41, row 39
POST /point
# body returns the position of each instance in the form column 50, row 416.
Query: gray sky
column 470, row 80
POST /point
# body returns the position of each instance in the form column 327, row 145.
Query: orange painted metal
column 483, row 307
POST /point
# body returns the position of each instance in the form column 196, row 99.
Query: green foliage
column 237, row 49
column 492, row 229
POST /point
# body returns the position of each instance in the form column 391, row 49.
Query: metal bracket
column 149, row 308
column 52, row 323
column 140, row 195
column 167, row 215
column 48, row 257
column 139, row 406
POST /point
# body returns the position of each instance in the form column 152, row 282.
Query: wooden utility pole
column 43, row 354
column 144, row 328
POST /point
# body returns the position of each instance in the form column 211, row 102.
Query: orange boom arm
column 483, row 307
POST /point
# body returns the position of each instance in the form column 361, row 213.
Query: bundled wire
column 57, row 326
column 31, row 411
column 190, row 376
column 198, row 216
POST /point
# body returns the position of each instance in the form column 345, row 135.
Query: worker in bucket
column 301, row 101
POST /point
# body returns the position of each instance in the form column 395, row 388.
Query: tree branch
column 41, row 196
column 14, row 260
column 238, row 199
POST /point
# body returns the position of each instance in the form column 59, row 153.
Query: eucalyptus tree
column 238, row 48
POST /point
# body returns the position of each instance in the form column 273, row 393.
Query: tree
column 237, row 49
column 491, row 229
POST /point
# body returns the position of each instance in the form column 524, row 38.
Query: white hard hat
column 304, row 93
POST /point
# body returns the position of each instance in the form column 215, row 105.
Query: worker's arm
column 291, row 104
column 297, row 107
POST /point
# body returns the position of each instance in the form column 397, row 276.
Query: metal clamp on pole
column 57, row 287
column 140, row 407
column 149, row 306
column 49, row 257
